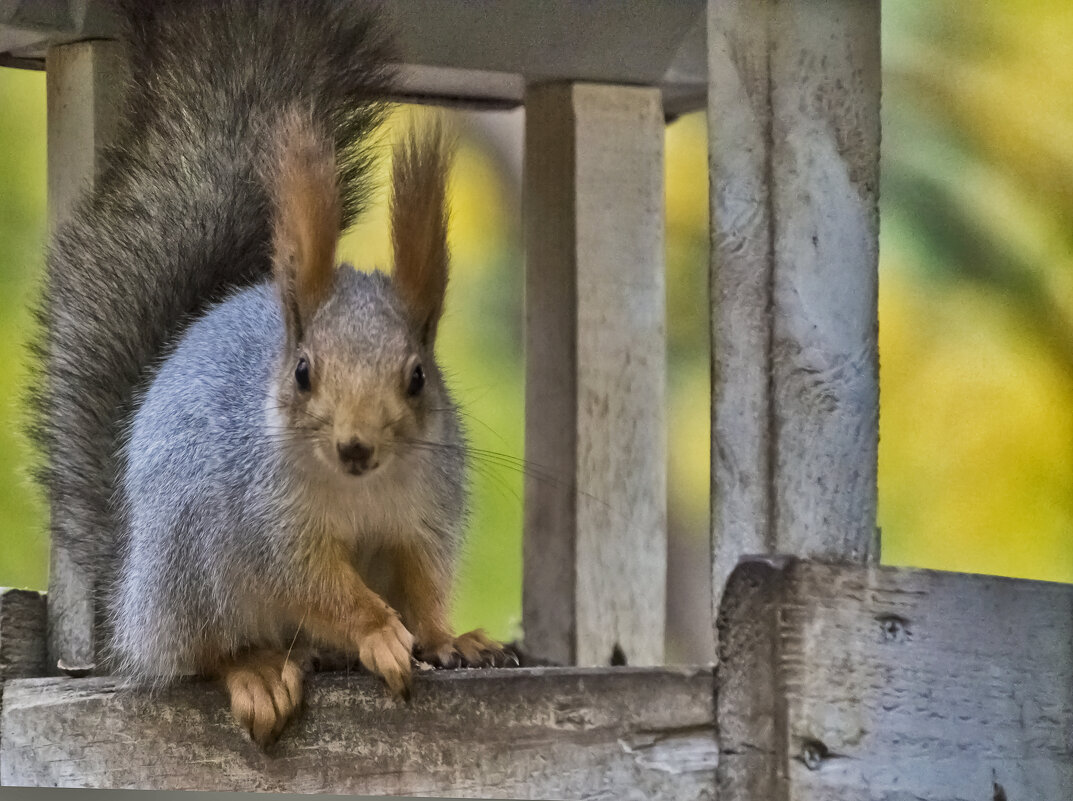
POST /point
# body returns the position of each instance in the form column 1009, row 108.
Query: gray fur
column 180, row 219
column 218, row 497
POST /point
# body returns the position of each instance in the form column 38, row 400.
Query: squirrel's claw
column 474, row 649
column 442, row 656
column 265, row 689
column 386, row 652
column 509, row 658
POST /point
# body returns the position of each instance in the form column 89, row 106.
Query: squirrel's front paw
column 385, row 650
column 265, row 689
column 472, row 649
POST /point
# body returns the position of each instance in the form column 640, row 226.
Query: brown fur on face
column 359, row 372
column 419, row 218
column 305, row 228
column 352, row 400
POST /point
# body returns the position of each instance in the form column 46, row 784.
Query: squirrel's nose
column 356, row 456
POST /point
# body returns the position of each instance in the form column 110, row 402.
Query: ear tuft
column 306, row 219
column 419, row 218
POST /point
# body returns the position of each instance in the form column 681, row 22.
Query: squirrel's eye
column 417, row 381
column 301, row 374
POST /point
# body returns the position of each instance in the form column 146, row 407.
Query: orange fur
column 329, row 601
column 306, row 222
column 338, row 609
column 265, row 688
column 419, row 218
column 424, row 583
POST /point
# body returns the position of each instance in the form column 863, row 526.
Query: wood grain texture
column 477, row 52
column 22, row 634
column 793, row 109
column 595, row 541
column 23, row 649
column 850, row 682
column 524, row 733
column 825, row 85
column 84, row 82
column 739, row 123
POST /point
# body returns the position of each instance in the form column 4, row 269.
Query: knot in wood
column 894, row 628
column 813, row 753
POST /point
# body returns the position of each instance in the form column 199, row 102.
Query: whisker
column 503, row 459
column 488, row 459
column 476, row 420
column 393, row 423
column 476, row 458
column 283, row 407
column 484, row 470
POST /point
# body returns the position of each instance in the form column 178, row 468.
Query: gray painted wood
column 22, row 634
column 84, row 83
column 794, row 146
column 595, row 523
column 825, row 80
column 739, row 121
column 850, row 682
column 523, row 733
column 478, row 52
column 28, row 28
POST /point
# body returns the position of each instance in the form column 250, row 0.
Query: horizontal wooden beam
column 625, row 733
column 882, row 683
column 473, row 52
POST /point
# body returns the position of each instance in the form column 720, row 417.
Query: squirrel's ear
column 419, row 226
column 306, row 222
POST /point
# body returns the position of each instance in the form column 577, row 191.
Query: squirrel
column 268, row 435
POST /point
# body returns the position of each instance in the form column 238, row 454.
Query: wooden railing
column 836, row 680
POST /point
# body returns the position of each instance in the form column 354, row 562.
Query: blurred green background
column 976, row 314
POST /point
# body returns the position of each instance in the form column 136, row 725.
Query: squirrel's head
column 358, row 381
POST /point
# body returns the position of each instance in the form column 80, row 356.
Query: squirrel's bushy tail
column 180, row 213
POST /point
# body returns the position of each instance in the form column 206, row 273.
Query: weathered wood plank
column 526, row 733
column 848, row 682
column 825, row 84
column 739, row 123
column 480, row 52
column 22, row 634
column 595, row 536
column 793, row 108
column 84, row 83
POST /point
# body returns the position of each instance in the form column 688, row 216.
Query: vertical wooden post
column 595, row 521
column 84, row 82
column 739, row 121
column 794, row 150
column 22, row 634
